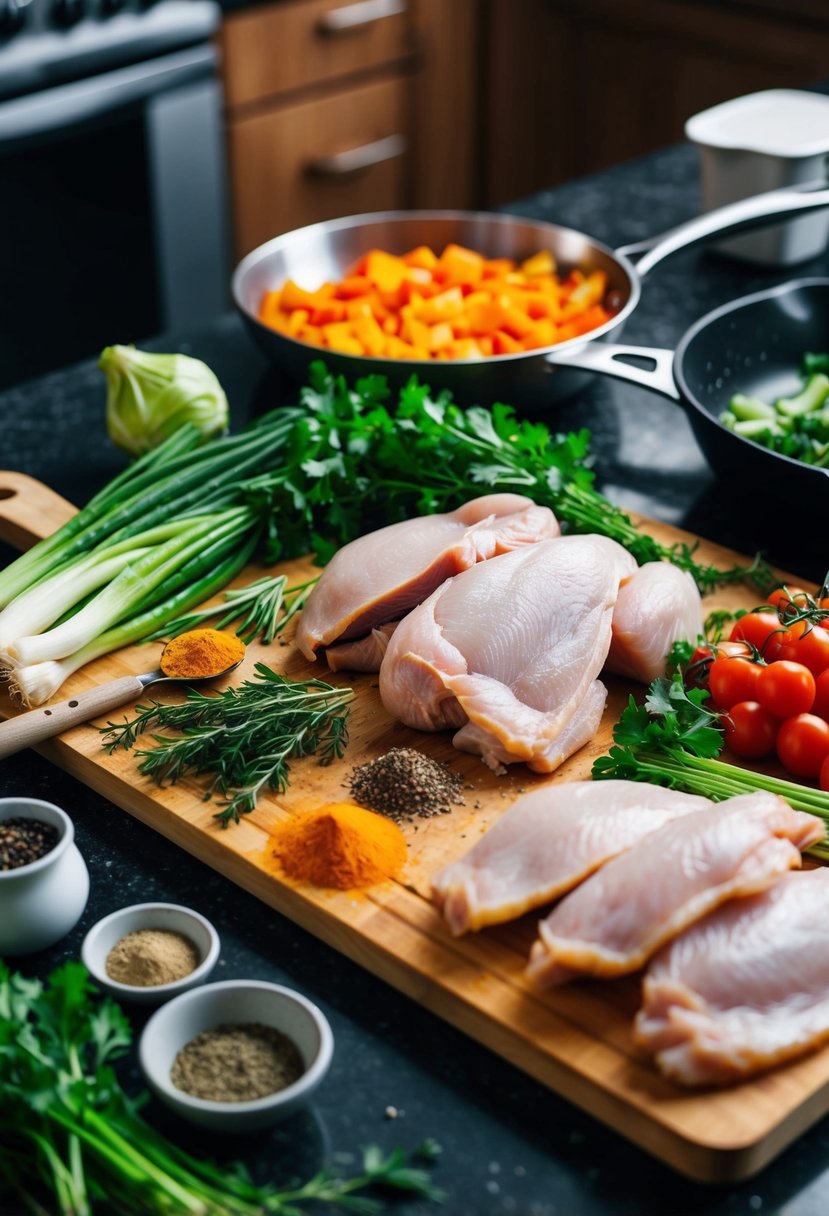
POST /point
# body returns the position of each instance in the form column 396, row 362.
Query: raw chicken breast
column 508, row 652
column 657, row 606
column 620, row 917
column 377, row 578
column 547, row 843
column 745, row 988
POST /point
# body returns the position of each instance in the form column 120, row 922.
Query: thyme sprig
column 260, row 609
column 244, row 737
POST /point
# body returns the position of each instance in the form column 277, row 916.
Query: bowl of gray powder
column 148, row 953
column 236, row 1056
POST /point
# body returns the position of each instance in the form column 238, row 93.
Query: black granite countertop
column 509, row 1145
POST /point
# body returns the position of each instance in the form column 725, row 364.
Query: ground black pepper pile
column 406, row 784
column 24, row 840
column 237, row 1063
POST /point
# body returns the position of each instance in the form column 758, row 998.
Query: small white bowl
column 175, row 919
column 234, row 1002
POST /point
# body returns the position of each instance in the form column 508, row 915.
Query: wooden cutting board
column 576, row 1040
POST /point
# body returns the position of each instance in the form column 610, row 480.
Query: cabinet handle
column 353, row 16
column 353, row 159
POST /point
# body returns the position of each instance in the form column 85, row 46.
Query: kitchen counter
column 509, row 1145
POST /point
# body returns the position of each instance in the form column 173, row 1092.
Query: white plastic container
column 761, row 142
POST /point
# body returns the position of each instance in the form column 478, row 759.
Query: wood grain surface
column 576, row 1040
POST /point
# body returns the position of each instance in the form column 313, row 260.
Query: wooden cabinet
column 340, row 106
column 577, row 85
column 335, row 107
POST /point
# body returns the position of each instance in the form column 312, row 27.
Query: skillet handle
column 605, row 358
column 746, row 213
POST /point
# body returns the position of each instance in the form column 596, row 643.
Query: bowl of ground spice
column 148, row 953
column 236, row 1056
column 44, row 882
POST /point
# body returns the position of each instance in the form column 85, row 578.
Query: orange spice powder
column 339, row 845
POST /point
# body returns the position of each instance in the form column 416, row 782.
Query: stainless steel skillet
column 532, row 380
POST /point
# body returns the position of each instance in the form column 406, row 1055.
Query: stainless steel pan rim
column 530, row 380
column 549, row 235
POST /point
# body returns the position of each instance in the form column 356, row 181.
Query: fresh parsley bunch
column 674, row 739
column 71, row 1138
column 358, row 459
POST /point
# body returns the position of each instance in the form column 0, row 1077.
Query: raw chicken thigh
column 377, row 578
column 508, row 652
column 615, row 921
column 657, row 606
column 743, row 989
column 547, row 843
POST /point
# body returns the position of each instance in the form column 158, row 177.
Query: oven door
column 113, row 217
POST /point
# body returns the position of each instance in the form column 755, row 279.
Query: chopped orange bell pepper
column 460, row 305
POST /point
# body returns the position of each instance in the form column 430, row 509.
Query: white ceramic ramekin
column 42, row 901
column 232, row 1002
column 172, row 917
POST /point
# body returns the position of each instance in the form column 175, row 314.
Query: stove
column 48, row 42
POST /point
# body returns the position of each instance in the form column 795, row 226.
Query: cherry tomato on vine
column 732, row 680
column 788, row 598
column 807, row 644
column 761, row 630
column 803, row 744
column 821, row 702
column 750, row 730
column 785, row 688
column 823, row 778
column 696, row 673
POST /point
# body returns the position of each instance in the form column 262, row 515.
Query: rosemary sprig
column 244, row 737
column 261, row 609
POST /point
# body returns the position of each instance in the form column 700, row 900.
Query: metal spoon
column 38, row 724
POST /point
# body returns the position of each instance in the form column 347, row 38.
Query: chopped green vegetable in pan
column 796, row 426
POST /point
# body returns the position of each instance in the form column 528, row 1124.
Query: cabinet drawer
column 269, row 51
column 337, row 155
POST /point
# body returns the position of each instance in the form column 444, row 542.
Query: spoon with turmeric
column 191, row 658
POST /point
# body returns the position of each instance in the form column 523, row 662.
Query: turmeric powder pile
column 340, row 845
column 201, row 653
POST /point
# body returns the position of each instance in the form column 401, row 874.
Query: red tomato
column 750, row 730
column 806, row 644
column 786, row 688
column 761, row 630
column 821, row 702
column 803, row 744
column 696, row 673
column 788, row 598
column 732, row 680
column 823, row 779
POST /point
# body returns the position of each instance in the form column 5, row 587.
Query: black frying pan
column 753, row 345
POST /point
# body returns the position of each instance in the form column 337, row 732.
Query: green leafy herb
column 357, row 461
column 674, row 740
column 261, row 610
column 70, row 1138
column 243, row 736
column 175, row 527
